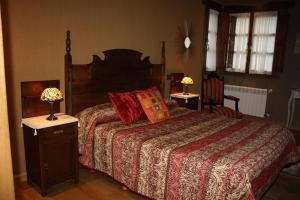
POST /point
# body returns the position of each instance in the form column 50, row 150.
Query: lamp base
column 51, row 117
column 186, row 90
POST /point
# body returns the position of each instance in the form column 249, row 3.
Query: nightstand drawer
column 58, row 131
column 186, row 100
column 190, row 103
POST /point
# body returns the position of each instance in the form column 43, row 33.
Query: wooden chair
column 175, row 82
column 213, row 96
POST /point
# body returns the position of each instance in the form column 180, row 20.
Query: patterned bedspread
column 192, row 155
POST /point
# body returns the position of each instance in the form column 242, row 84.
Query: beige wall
column 36, row 41
column 6, row 173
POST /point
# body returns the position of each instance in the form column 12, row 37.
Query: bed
column 191, row 155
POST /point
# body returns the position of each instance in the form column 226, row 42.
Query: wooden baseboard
column 21, row 177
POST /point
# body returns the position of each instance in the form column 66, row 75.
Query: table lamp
column 186, row 81
column 51, row 95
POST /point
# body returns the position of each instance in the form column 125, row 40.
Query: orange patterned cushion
column 153, row 104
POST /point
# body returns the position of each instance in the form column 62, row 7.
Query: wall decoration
column 297, row 44
column 185, row 40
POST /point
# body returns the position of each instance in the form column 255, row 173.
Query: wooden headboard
column 31, row 91
column 121, row 70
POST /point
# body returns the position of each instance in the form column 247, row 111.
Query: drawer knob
column 57, row 132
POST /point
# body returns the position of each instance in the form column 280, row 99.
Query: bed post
column 163, row 70
column 68, row 75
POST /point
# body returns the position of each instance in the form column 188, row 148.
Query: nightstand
column 189, row 101
column 51, row 150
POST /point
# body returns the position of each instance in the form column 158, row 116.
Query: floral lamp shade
column 186, row 81
column 51, row 95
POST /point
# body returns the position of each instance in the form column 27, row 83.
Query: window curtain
column 240, row 43
column 211, row 55
column 263, row 42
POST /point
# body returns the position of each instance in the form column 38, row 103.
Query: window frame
column 224, row 10
column 217, row 7
column 250, row 44
column 251, row 52
column 248, row 14
column 207, row 42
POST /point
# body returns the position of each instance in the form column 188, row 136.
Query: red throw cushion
column 153, row 104
column 127, row 106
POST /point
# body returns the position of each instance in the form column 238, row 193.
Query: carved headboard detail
column 120, row 70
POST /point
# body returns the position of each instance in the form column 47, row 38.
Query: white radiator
column 252, row 100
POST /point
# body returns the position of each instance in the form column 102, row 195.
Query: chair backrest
column 175, row 84
column 213, row 88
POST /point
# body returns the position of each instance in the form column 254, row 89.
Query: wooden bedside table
column 51, row 150
column 189, row 101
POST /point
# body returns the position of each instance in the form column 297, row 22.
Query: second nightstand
column 189, row 101
column 51, row 150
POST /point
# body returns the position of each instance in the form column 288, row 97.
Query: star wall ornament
column 185, row 45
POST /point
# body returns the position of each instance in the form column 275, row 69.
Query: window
column 211, row 45
column 243, row 40
column 263, row 43
column 237, row 43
